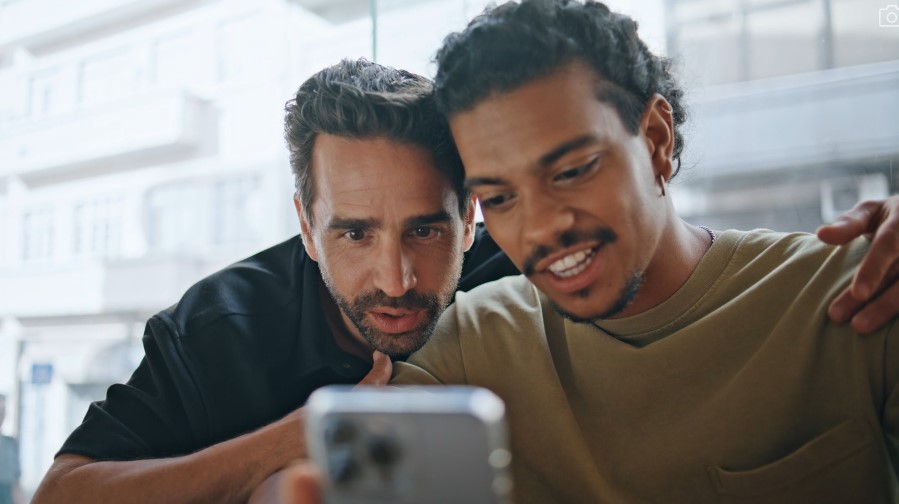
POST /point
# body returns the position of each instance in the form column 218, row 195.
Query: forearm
column 226, row 472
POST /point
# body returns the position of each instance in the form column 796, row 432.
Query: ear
column 305, row 230
column 469, row 223
column 657, row 125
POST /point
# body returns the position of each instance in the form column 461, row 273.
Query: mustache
column 409, row 301
column 566, row 239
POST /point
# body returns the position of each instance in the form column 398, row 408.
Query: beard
column 394, row 344
column 625, row 297
column 570, row 238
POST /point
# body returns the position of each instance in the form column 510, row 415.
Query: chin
column 398, row 345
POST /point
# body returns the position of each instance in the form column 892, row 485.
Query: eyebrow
column 554, row 155
column 424, row 220
column 344, row 223
column 544, row 162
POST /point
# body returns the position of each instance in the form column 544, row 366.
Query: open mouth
column 575, row 271
column 573, row 264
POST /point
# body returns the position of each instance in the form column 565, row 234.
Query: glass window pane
column 785, row 40
column 859, row 37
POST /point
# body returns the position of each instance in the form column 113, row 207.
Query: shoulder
column 801, row 255
column 502, row 304
column 261, row 284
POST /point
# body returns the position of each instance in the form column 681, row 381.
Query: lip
column 581, row 280
column 396, row 321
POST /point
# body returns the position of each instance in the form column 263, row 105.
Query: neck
column 677, row 252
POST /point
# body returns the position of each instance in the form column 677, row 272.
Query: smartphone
column 421, row 445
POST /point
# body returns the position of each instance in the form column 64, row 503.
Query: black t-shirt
column 243, row 348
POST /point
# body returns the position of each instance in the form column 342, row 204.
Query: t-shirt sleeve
column 157, row 413
column 439, row 362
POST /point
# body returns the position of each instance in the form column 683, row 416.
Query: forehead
column 518, row 127
column 372, row 175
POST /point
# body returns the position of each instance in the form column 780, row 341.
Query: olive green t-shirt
column 736, row 389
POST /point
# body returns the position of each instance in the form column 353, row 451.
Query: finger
column 881, row 261
column 301, row 485
column 844, row 307
column 380, row 372
column 878, row 312
column 851, row 224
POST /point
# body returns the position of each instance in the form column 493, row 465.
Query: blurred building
column 793, row 108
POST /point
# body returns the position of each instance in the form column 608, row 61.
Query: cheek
column 345, row 265
column 439, row 262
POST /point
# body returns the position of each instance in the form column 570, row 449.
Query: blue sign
column 41, row 374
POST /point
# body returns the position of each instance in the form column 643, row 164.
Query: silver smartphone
column 422, row 445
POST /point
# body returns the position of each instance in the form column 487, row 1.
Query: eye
column 355, row 235
column 574, row 173
column 424, row 232
column 493, row 201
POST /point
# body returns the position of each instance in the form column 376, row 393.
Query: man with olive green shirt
column 736, row 387
column 641, row 358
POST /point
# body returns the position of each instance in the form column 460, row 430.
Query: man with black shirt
column 213, row 408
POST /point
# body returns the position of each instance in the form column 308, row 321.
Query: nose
column 393, row 268
column 544, row 219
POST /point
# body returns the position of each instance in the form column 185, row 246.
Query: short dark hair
column 513, row 44
column 362, row 99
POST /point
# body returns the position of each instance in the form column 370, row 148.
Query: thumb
column 380, row 370
column 302, row 485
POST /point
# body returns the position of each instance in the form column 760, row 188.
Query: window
column 98, row 228
column 858, row 38
column 726, row 41
column 177, row 217
column 37, row 235
column 44, row 93
column 107, row 77
column 236, row 205
column 174, row 60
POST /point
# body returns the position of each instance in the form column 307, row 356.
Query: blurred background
column 141, row 149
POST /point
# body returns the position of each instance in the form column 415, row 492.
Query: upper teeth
column 572, row 264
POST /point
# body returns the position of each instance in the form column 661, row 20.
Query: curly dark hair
column 362, row 99
column 512, row 44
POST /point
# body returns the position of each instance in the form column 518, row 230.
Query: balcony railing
column 147, row 129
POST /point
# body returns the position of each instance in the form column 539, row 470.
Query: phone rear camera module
column 383, row 450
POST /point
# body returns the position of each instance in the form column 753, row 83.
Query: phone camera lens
column 340, row 431
column 342, row 466
column 383, row 450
